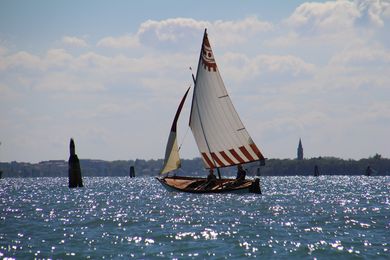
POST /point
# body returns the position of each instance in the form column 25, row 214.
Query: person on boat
column 211, row 180
column 211, row 176
column 241, row 173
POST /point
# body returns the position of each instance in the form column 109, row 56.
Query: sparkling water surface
column 113, row 217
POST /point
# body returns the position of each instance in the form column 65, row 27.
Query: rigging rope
column 182, row 141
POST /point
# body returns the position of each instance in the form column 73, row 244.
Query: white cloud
column 74, row 41
column 179, row 31
column 21, row 59
column 249, row 25
column 238, row 32
column 57, row 58
column 361, row 56
column 338, row 16
column 121, row 42
column 327, row 16
column 3, row 50
column 241, row 67
column 90, row 61
column 7, row 93
column 67, row 82
column 374, row 11
column 170, row 30
column 59, row 71
column 174, row 29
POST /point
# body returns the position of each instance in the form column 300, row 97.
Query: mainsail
column 172, row 158
column 220, row 135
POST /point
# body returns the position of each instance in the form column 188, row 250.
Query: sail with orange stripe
column 221, row 137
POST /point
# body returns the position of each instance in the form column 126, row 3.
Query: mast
column 194, row 97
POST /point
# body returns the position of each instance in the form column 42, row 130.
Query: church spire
column 300, row 150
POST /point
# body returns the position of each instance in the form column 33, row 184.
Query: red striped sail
column 219, row 133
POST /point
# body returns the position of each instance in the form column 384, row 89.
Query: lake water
column 296, row 217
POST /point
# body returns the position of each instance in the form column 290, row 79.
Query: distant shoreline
column 274, row 167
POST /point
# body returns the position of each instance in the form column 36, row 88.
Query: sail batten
column 220, row 135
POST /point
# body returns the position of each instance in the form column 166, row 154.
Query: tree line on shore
column 272, row 167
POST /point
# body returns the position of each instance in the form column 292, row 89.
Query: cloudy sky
column 110, row 74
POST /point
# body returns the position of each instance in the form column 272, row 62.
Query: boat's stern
column 255, row 187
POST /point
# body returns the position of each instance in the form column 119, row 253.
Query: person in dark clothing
column 211, row 176
column 210, row 182
column 241, row 173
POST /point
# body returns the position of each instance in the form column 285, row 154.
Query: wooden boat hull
column 200, row 185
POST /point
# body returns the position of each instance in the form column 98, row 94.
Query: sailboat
column 219, row 133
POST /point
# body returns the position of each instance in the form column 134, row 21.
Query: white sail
column 172, row 158
column 219, row 133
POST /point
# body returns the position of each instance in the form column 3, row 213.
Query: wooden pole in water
column 316, row 171
column 74, row 170
column 132, row 172
column 1, row 172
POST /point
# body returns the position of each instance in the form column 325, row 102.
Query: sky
column 111, row 74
